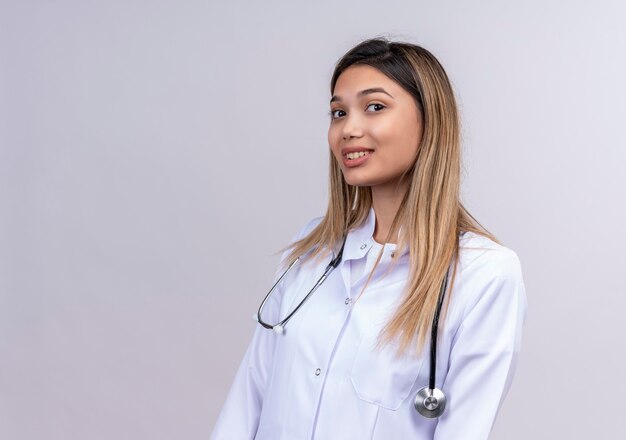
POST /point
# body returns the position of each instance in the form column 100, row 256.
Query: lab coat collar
column 361, row 239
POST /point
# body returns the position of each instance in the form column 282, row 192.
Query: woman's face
column 375, row 127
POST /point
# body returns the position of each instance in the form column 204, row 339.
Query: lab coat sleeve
column 484, row 353
column 240, row 414
column 239, row 417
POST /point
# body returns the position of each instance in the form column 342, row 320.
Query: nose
column 352, row 127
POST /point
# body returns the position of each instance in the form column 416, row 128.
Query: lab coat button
column 348, row 301
column 393, row 254
column 363, row 246
column 317, row 372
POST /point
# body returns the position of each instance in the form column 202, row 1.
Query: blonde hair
column 431, row 215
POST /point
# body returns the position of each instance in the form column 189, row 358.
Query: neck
column 386, row 200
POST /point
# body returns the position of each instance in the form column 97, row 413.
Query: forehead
column 358, row 77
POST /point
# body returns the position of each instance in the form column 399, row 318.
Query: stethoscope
column 429, row 401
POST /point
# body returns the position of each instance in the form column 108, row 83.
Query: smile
column 356, row 159
column 356, row 155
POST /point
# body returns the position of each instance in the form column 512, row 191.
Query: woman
column 351, row 362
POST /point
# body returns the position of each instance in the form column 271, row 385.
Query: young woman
column 415, row 330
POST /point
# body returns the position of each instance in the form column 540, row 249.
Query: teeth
column 353, row 156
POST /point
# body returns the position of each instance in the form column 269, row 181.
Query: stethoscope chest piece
column 430, row 402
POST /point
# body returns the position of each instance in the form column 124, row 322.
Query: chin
column 363, row 177
column 369, row 183
column 357, row 182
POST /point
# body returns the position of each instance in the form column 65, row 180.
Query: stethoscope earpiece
column 430, row 402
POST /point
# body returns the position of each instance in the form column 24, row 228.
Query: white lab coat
column 323, row 379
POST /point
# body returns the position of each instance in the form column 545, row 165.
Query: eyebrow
column 363, row 93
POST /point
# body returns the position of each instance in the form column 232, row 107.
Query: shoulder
column 307, row 228
column 481, row 256
column 489, row 274
column 302, row 232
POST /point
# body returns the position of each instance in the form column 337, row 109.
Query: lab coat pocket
column 381, row 378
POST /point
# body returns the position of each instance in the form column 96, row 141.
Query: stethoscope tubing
column 429, row 402
column 434, row 333
column 331, row 266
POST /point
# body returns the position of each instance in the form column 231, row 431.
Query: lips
column 354, row 149
column 358, row 156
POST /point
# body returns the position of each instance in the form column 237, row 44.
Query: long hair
column 431, row 216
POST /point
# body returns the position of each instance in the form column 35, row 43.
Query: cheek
column 408, row 133
column 392, row 137
column 398, row 142
column 333, row 141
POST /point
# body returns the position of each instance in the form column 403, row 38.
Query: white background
column 154, row 155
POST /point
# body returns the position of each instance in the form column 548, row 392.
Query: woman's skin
column 391, row 126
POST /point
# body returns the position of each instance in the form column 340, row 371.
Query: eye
column 333, row 112
column 379, row 105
